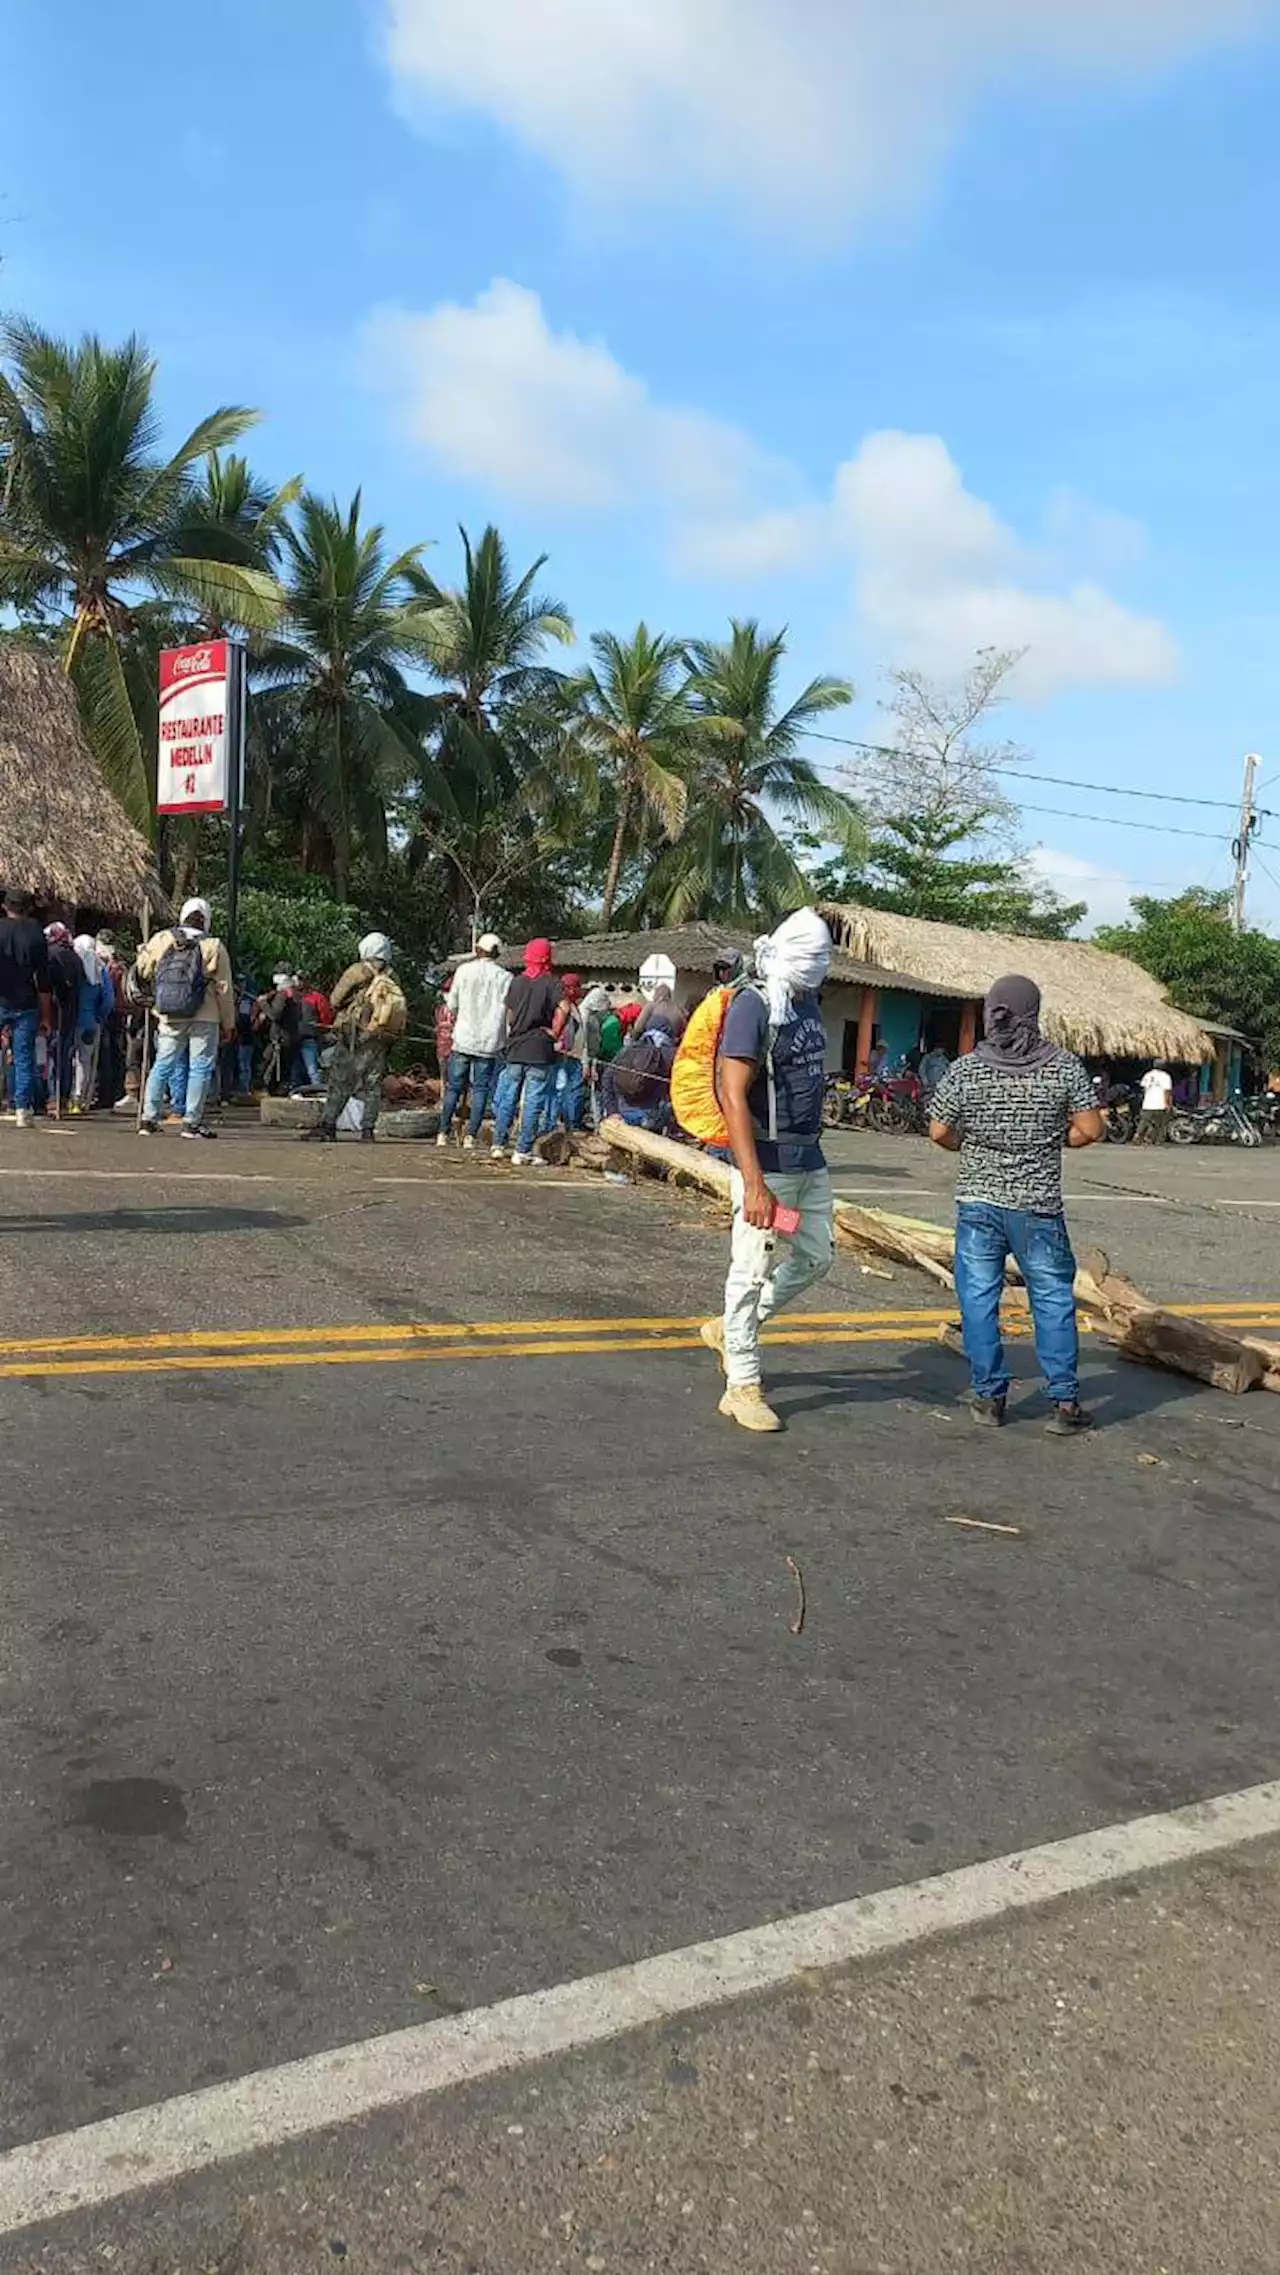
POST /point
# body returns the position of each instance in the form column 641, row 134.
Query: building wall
column 898, row 1019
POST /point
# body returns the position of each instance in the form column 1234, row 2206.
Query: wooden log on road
column 682, row 1162
column 1189, row 1346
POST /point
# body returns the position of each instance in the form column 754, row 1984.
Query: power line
column 1118, row 821
column 1024, row 774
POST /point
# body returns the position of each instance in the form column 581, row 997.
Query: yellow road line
column 413, row 1330
column 543, row 1348
column 196, row 1340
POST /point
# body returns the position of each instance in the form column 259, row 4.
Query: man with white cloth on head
column 772, row 1067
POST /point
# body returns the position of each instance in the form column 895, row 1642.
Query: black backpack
column 181, row 979
column 642, row 1071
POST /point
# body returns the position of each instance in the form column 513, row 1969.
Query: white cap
column 196, row 907
column 375, row 948
column 283, row 979
column 490, row 943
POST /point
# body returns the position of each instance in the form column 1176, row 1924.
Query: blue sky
column 910, row 327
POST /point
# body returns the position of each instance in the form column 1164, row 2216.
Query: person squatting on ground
column 1007, row 1109
column 529, row 1074
column 772, row 1065
column 190, row 975
column 369, row 1012
column 477, row 1006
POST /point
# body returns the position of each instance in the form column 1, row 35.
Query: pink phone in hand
column 785, row 1220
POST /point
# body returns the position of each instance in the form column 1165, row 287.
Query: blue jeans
column 308, row 1062
column 1041, row 1248
column 244, row 1069
column 535, row 1084
column 23, row 1026
column 466, row 1071
column 564, row 1102
column 193, row 1054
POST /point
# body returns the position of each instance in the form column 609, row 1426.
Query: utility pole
column 1240, row 845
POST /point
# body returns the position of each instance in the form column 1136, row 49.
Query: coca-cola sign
column 196, row 728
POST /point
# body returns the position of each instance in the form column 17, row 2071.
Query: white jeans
column 767, row 1270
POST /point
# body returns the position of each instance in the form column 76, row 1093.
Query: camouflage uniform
column 356, row 1072
column 360, row 1060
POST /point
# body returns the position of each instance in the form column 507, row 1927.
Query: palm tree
column 497, row 716
column 91, row 528
column 332, row 688
column 635, row 721
column 231, row 515
column 732, row 862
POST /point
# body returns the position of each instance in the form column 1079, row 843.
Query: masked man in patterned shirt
column 1007, row 1110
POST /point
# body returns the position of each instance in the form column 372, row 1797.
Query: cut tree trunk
column 1189, row 1346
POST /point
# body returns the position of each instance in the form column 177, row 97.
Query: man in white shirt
column 1157, row 1106
column 477, row 1001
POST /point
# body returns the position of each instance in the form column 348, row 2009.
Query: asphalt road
column 384, row 1682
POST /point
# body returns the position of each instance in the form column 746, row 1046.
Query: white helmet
column 375, row 948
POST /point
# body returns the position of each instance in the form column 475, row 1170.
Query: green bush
column 303, row 932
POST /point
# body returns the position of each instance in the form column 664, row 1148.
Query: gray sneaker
column 989, row 1412
column 1068, row 1421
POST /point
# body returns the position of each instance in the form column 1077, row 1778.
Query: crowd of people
column 81, row 1029
column 535, row 1051
column 539, row 1050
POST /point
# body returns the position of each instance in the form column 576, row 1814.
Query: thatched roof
column 694, row 948
column 63, row 836
column 1099, row 1005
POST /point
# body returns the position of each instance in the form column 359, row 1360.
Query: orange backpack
column 695, row 1100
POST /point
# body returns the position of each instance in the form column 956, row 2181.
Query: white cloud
column 1106, row 892
column 810, row 110
column 493, row 394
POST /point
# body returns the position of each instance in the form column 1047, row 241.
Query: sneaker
column 148, row 1129
column 468, row 1145
column 497, row 1153
column 24, row 1118
column 1068, row 1421
column 196, row 1130
column 322, row 1134
column 712, row 1333
column 520, row 1160
column 171, row 1121
column 987, row 1411
column 749, row 1408
column 442, row 1139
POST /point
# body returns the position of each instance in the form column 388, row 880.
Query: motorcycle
column 1221, row 1124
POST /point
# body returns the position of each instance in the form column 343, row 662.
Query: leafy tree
column 497, row 736
column 1212, row 972
column 300, row 930
column 339, row 723
column 943, row 842
column 634, row 726
column 92, row 527
column 731, row 861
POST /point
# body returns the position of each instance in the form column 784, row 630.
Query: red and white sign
column 197, row 725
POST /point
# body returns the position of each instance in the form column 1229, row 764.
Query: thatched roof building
column 693, row 949
column 1099, row 1005
column 63, row 836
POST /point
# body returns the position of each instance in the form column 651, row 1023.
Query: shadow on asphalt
column 183, row 1220
column 1121, row 1394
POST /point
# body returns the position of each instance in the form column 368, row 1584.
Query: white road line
column 70, row 2171
column 154, row 1176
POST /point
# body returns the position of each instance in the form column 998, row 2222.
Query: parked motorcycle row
column 896, row 1105
column 890, row 1104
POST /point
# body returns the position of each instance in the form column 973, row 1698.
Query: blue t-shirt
column 799, row 1073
